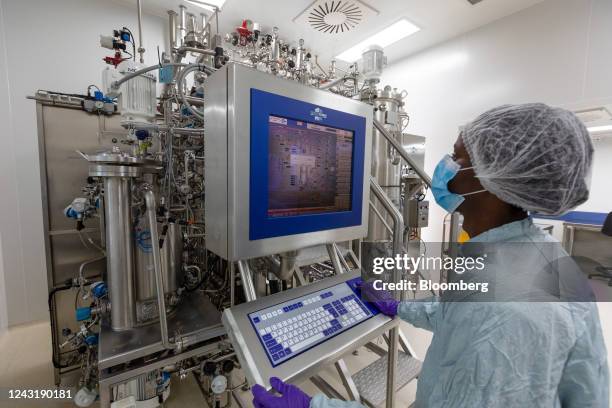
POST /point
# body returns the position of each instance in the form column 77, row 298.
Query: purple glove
column 291, row 396
column 382, row 299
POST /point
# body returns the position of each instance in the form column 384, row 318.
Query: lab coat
column 533, row 340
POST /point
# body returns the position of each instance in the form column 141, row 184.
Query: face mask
column 445, row 171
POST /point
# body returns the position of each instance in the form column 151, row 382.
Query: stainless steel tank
column 171, row 254
column 386, row 164
column 119, row 171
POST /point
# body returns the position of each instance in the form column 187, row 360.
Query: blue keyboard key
column 281, row 354
column 326, row 332
column 334, row 313
column 270, row 343
column 267, row 337
column 300, row 304
column 256, row 320
column 288, row 351
column 334, row 322
column 285, row 309
column 276, row 348
column 275, row 357
column 327, row 306
column 336, row 303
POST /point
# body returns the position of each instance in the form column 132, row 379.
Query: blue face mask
column 445, row 171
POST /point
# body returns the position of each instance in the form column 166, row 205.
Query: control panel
column 294, row 334
column 293, row 327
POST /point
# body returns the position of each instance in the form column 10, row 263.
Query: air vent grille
column 335, row 16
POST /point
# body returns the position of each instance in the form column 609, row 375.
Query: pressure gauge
column 218, row 384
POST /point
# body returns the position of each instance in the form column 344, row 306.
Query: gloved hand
column 291, row 396
column 382, row 299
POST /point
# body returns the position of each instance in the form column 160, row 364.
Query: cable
column 133, row 41
column 92, row 86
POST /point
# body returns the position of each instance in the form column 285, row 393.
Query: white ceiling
column 439, row 20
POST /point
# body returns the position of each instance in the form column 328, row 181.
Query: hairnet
column 533, row 156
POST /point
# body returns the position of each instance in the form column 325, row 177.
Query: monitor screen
column 309, row 168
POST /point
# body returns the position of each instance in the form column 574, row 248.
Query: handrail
column 398, row 220
column 402, row 152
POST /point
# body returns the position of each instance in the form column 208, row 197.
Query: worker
column 509, row 162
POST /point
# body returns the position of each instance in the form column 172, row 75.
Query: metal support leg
column 247, row 281
column 326, row 388
column 333, row 257
column 347, row 380
column 392, row 366
column 232, row 271
column 299, row 276
column 341, row 258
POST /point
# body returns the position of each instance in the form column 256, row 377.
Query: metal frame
column 106, row 382
column 227, row 161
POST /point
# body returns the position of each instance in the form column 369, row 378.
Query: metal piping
column 332, row 83
column 151, row 204
column 134, row 74
column 141, row 49
column 182, row 25
column 172, row 28
column 402, row 152
column 184, row 50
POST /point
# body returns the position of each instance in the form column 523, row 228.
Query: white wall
column 50, row 45
column 558, row 52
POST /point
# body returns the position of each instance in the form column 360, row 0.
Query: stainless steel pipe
column 141, row 49
column 151, row 206
column 120, row 251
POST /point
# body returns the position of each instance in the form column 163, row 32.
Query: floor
column 25, row 362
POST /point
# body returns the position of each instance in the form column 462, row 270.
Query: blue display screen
column 307, row 167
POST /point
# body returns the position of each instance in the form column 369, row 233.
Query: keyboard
column 290, row 328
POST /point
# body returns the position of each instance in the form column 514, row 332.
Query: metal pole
column 172, row 28
column 398, row 227
column 247, row 281
column 398, row 147
column 333, row 257
column 232, row 270
column 151, row 205
column 141, row 49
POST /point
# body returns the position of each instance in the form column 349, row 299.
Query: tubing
column 134, row 74
column 179, row 85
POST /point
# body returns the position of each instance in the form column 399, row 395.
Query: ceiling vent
column 335, row 16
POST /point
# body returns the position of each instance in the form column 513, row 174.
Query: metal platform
column 195, row 320
column 371, row 381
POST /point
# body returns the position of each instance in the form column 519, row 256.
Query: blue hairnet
column 532, row 156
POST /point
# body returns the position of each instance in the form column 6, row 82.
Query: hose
column 179, row 85
column 54, row 345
